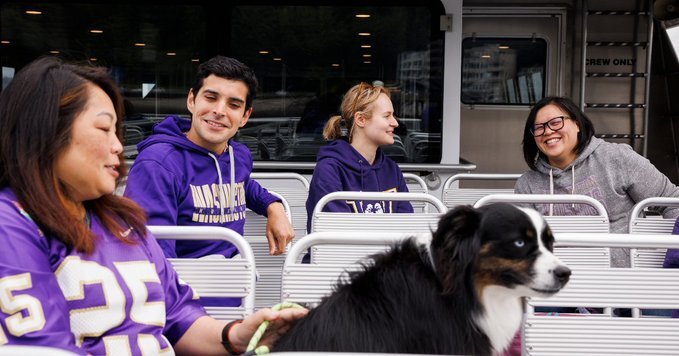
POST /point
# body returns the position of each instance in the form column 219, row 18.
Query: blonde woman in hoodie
column 354, row 160
column 565, row 158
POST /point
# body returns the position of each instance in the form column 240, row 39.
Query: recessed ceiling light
column 367, row 62
column 367, row 55
column 54, row 52
column 195, row 60
column 335, row 65
column 485, row 56
column 363, row 16
column 277, row 59
column 93, row 59
column 4, row 42
column 33, row 12
column 264, row 52
column 96, row 31
column 364, row 33
column 366, row 46
column 503, row 47
column 139, row 44
column 171, row 53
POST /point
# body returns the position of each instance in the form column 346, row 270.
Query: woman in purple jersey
column 78, row 270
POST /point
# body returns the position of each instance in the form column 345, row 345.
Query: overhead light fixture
column 140, row 44
column 264, row 52
column 33, row 12
column 485, row 56
column 93, row 59
column 335, row 65
column 195, row 60
column 277, row 59
column 367, row 62
column 54, row 52
column 96, row 31
column 363, row 16
column 171, row 53
column 503, row 47
column 5, row 42
column 366, row 46
column 364, row 33
column 367, row 55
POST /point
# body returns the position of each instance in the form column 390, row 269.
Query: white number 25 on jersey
column 72, row 275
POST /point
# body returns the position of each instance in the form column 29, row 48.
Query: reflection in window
column 503, row 70
column 152, row 50
column 307, row 57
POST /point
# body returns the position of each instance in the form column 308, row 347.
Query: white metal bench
column 268, row 267
column 454, row 196
column 294, row 188
column 215, row 277
column 368, row 224
column 416, row 184
column 599, row 223
column 596, row 334
column 640, row 224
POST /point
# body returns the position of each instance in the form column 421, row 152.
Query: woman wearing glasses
column 565, row 158
column 353, row 161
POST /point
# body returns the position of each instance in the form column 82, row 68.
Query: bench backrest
column 641, row 224
column 453, row 195
column 215, row 276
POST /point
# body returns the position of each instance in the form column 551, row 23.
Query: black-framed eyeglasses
column 554, row 124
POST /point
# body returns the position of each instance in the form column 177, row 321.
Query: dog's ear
column 455, row 246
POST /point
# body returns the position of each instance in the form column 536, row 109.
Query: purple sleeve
column 155, row 189
column 182, row 309
column 324, row 181
column 40, row 315
column 672, row 256
column 257, row 198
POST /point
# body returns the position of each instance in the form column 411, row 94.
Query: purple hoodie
column 122, row 298
column 341, row 168
column 180, row 183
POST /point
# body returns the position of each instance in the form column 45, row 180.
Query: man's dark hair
column 227, row 68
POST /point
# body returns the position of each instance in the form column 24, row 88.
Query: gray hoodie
column 611, row 173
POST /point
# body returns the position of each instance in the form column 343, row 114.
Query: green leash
column 262, row 350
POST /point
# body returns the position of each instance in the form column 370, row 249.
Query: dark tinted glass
column 305, row 58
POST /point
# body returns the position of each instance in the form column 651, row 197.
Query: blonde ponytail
column 333, row 128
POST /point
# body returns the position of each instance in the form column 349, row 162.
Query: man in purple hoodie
column 190, row 172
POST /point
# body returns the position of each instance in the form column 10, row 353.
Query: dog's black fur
column 403, row 304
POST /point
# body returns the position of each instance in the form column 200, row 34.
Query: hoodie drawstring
column 232, row 202
column 551, row 191
column 573, row 183
column 551, row 187
column 219, row 174
column 232, row 187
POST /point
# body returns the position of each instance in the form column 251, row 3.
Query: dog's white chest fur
column 501, row 319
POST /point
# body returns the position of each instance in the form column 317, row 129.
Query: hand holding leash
column 268, row 336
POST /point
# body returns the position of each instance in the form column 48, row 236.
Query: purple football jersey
column 122, row 297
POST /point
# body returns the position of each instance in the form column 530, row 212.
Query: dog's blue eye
column 519, row 243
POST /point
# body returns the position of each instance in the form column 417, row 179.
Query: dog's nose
column 562, row 273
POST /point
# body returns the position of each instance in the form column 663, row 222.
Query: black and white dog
column 462, row 294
